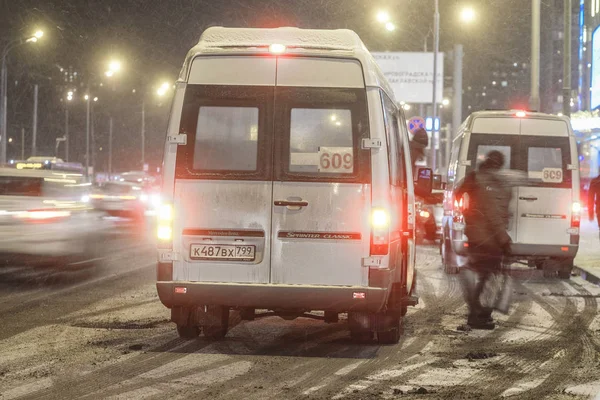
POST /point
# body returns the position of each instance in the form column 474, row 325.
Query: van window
column 481, row 144
column 229, row 133
column 226, row 139
column 483, row 150
column 393, row 136
column 321, row 141
column 546, row 160
column 21, row 186
column 318, row 135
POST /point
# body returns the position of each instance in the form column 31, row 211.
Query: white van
column 545, row 207
column 287, row 185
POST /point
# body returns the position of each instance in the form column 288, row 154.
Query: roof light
column 521, row 114
column 277, row 48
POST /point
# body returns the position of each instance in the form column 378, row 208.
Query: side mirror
column 424, row 182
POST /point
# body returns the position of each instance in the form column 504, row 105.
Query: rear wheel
column 216, row 322
column 188, row 332
column 565, row 268
column 361, row 337
column 394, row 328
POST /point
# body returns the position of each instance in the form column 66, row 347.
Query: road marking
column 189, row 362
column 23, row 390
column 218, row 375
column 523, row 386
column 348, row 368
column 444, row 377
column 141, row 393
column 384, row 375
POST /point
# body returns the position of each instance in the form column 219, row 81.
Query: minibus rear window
column 226, row 139
column 321, row 141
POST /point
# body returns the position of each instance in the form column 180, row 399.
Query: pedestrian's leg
column 481, row 316
column 468, row 279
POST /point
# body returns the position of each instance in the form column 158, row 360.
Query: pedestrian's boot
column 481, row 320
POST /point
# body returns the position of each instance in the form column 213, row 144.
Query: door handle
column 528, row 198
column 291, row 203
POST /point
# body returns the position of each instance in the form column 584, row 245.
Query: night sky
column 151, row 37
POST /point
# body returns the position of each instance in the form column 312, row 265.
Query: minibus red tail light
column 576, row 215
column 380, row 232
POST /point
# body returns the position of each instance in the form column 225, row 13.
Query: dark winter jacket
column 487, row 211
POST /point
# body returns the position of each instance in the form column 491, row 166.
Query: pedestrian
column 486, row 196
column 594, row 199
column 419, row 142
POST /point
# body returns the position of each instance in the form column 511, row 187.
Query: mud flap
column 181, row 315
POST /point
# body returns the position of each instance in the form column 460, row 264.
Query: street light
column 4, row 88
column 467, row 14
column 162, row 90
column 114, row 66
column 383, row 16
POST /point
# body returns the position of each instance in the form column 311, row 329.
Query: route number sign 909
column 336, row 160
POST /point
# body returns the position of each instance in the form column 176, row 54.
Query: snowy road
column 108, row 336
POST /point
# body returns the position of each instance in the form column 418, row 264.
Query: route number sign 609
column 336, row 160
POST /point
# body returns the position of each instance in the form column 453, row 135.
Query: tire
column 565, row 268
column 448, row 258
column 216, row 322
column 389, row 337
column 188, row 332
column 361, row 337
column 390, row 328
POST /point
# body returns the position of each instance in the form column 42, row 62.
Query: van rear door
column 545, row 203
column 322, row 193
column 223, row 178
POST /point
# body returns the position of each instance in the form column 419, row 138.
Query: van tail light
column 42, row 215
column 164, row 218
column 576, row 215
column 380, row 232
column 458, row 209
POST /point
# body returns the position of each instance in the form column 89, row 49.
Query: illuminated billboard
column 595, row 87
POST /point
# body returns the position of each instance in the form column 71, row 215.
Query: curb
column 592, row 277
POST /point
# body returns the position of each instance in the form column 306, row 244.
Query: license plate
column 222, row 252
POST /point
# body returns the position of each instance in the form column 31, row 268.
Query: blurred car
column 132, row 201
column 430, row 213
column 46, row 219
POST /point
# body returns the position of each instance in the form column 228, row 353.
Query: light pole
column 114, row 66
column 567, row 59
column 4, row 89
column 534, row 101
column 436, row 45
column 69, row 99
column 87, row 134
